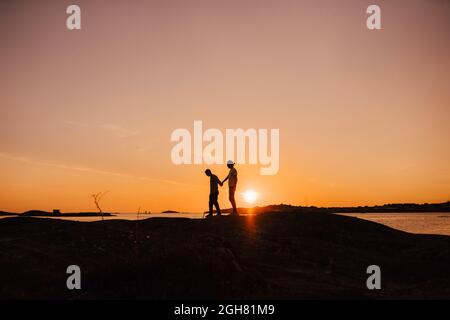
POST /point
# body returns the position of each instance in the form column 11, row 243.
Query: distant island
column 170, row 211
column 391, row 208
column 386, row 208
column 4, row 213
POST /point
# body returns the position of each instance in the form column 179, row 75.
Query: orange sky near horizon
column 363, row 115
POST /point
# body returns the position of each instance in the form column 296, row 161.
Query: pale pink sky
column 363, row 115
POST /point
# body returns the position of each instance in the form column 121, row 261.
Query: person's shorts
column 232, row 190
column 213, row 197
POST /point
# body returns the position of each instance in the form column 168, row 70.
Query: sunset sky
column 363, row 115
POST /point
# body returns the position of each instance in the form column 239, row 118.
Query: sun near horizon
column 250, row 196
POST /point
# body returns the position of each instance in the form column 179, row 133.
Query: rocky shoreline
column 293, row 255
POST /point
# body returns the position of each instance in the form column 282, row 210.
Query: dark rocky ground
column 272, row 255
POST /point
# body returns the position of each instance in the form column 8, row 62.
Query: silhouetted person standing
column 213, row 192
column 232, row 183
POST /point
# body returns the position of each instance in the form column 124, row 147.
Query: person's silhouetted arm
column 226, row 178
column 219, row 182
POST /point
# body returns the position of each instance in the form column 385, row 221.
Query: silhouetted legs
column 214, row 203
column 231, row 193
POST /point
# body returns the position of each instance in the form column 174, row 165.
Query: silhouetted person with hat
column 232, row 183
column 214, row 183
